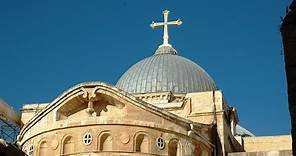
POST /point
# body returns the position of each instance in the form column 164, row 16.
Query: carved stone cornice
column 91, row 96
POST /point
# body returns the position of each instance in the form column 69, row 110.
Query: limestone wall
column 111, row 140
column 267, row 143
column 264, row 153
column 30, row 110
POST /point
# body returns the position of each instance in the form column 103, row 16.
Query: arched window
column 68, row 145
column 142, row 143
column 43, row 148
column 105, row 143
column 173, row 148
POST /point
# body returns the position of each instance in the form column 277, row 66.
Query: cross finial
column 165, row 25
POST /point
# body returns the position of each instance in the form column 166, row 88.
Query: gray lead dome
column 163, row 72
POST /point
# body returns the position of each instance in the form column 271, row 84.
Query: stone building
column 163, row 105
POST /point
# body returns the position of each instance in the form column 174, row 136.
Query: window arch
column 142, row 143
column 43, row 148
column 68, row 145
column 105, row 142
column 174, row 148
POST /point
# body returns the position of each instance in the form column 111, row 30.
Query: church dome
column 163, row 72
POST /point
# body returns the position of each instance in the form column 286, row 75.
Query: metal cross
column 165, row 25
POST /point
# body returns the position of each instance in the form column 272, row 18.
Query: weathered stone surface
column 263, row 153
column 267, row 143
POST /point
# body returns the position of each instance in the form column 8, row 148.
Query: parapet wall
column 267, row 143
column 267, row 153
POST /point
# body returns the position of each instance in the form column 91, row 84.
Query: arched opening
column 43, row 148
column 142, row 143
column 173, row 148
column 68, row 145
column 106, row 142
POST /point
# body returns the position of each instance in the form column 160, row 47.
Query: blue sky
column 48, row 46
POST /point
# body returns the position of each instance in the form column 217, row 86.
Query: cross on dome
column 165, row 25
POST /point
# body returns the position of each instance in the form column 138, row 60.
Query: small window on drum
column 160, row 143
column 87, row 138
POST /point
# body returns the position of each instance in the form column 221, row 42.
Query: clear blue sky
column 47, row 47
